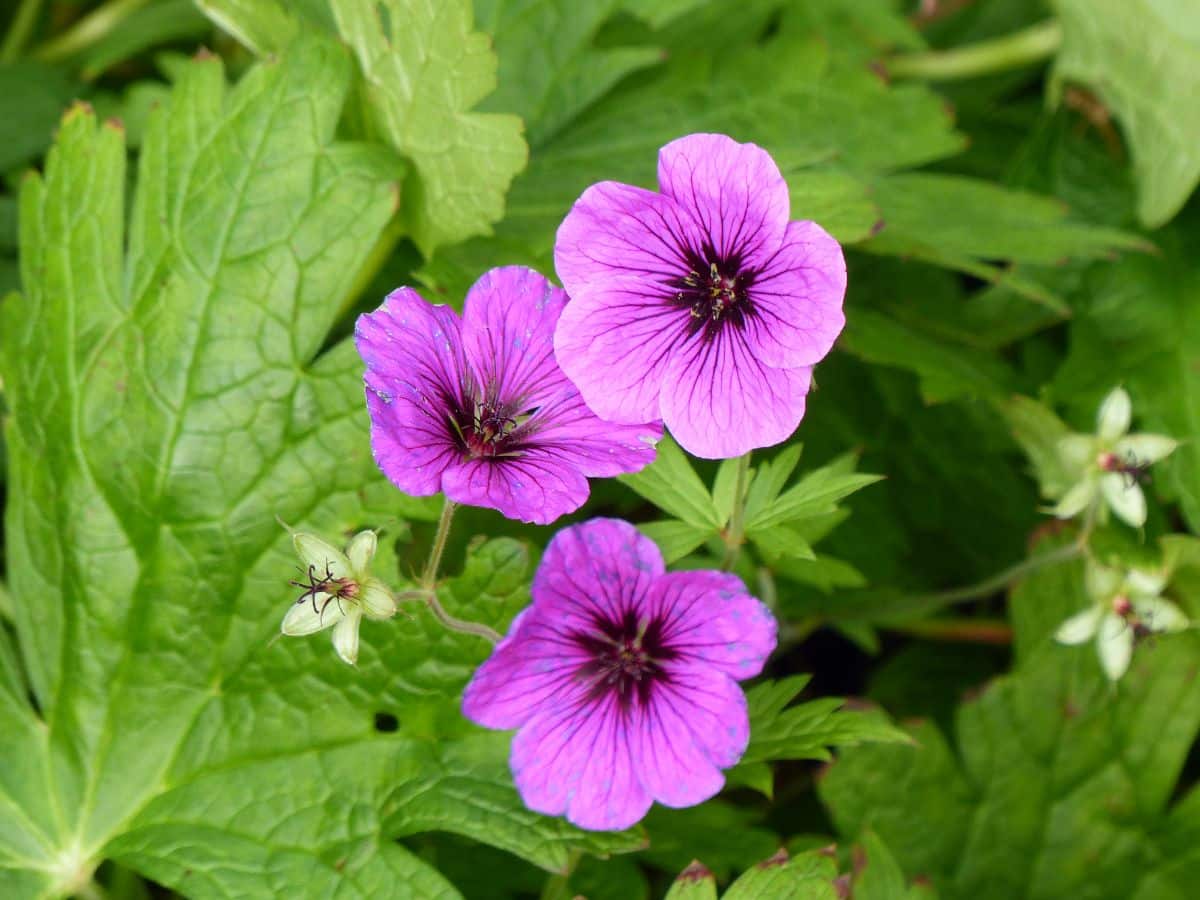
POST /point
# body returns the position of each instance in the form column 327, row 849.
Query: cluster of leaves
column 207, row 224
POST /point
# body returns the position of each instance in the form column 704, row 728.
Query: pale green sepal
column 360, row 551
column 1112, row 420
column 1076, row 500
column 1160, row 615
column 1124, row 497
column 310, row 615
column 1077, row 451
column 345, row 635
column 1115, row 646
column 1145, row 583
column 1143, row 449
column 1080, row 628
column 317, row 553
column 1102, row 583
column 377, row 601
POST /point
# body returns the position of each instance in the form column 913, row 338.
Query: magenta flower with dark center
column 622, row 679
column 701, row 305
column 478, row 408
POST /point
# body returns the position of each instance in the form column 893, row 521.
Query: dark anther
column 334, row 588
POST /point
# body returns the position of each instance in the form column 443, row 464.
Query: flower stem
column 89, row 30
column 18, row 32
column 1021, row 48
column 968, row 631
column 734, row 534
column 428, row 583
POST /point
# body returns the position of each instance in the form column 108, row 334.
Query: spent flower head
column 1126, row 606
column 337, row 591
column 1111, row 464
column 478, row 408
column 700, row 305
column 622, row 679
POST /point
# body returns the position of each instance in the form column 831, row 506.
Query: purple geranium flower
column 701, row 305
column 622, row 679
column 478, row 408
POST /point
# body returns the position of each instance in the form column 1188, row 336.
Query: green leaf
column 168, row 404
column 1142, row 58
column 262, row 25
column 806, row 730
column 816, row 494
column 808, row 876
column 694, row 883
column 423, row 70
column 968, row 224
column 1038, row 430
column 877, row 874
column 946, row 371
column 1058, row 787
column 725, row 487
column 674, row 538
column 550, row 68
column 671, row 484
column 769, row 480
column 159, row 23
column 725, row 837
column 781, row 542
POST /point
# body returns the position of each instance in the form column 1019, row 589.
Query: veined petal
column 566, row 429
column 617, row 252
column 415, row 375
column 1112, row 420
column 312, row 614
column 1124, row 497
column 323, row 557
column 695, row 725
column 1143, row 449
column 532, row 486
column 1080, row 627
column 595, row 570
column 345, row 635
column 575, row 758
column 1160, row 615
column 376, row 600
column 1114, row 643
column 796, row 298
column 721, row 401
column 734, row 191
column 1077, row 499
column 508, row 334
column 533, row 667
column 712, row 620
column 360, row 551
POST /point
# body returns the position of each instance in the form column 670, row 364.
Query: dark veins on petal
column 485, row 426
column 625, row 657
column 715, row 291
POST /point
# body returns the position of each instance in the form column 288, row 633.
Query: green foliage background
column 197, row 200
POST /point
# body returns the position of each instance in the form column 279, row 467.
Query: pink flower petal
column 508, row 334
column 733, row 191
column 576, row 759
column 712, row 619
column 719, row 400
column 529, row 670
column 616, row 252
column 797, row 299
column 535, row 485
column 600, row 568
column 695, row 725
column 414, row 358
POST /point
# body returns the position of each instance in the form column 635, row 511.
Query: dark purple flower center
column 488, row 428
column 625, row 658
column 715, row 291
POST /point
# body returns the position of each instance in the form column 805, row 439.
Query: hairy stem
column 428, row 583
column 88, row 31
column 734, row 534
column 18, row 32
column 1022, row 48
column 967, row 631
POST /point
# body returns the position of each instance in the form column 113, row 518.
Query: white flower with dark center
column 1126, row 607
column 338, row 591
column 1111, row 464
